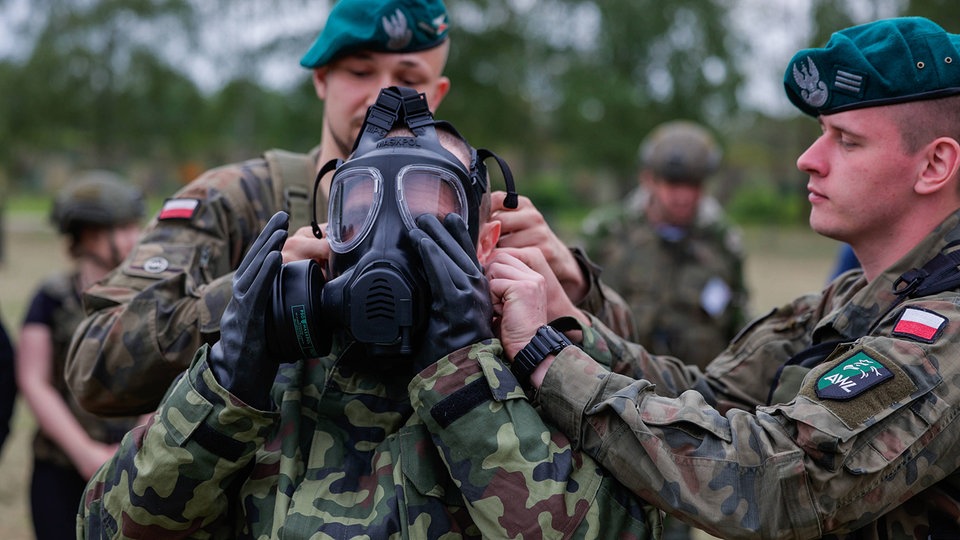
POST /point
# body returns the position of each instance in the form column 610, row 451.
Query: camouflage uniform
column 62, row 288
column 687, row 293
column 857, row 441
column 349, row 454
column 148, row 317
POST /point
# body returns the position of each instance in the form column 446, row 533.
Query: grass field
column 781, row 264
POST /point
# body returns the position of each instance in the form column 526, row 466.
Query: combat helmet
column 96, row 198
column 681, row 151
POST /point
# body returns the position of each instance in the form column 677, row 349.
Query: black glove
column 461, row 310
column 238, row 360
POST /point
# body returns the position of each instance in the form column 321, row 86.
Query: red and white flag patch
column 179, row 208
column 920, row 325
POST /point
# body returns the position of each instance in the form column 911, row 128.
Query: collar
column 853, row 305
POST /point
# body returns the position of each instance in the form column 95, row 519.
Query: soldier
column 832, row 416
column 340, row 445
column 99, row 215
column 670, row 251
column 146, row 320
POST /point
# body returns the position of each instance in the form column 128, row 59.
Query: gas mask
column 377, row 295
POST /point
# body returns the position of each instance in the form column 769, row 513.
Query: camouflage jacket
column 687, row 292
column 455, row 453
column 147, row 318
column 62, row 288
column 831, row 416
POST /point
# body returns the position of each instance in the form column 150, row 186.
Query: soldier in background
column 670, row 251
column 99, row 215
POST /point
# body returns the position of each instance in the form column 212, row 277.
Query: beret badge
column 812, row 89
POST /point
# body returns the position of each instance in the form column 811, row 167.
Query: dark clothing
column 8, row 384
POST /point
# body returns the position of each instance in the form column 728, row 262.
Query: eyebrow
column 843, row 129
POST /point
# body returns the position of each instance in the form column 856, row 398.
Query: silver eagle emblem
column 812, row 89
column 399, row 31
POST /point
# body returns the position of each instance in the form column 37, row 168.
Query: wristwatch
column 548, row 340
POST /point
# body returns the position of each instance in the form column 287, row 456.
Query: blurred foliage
column 564, row 89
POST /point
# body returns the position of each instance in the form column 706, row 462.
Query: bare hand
column 304, row 245
column 558, row 304
column 92, row 457
column 519, row 296
column 525, row 227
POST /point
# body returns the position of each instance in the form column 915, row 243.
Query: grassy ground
column 781, row 265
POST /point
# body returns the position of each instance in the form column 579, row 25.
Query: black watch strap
column 548, row 340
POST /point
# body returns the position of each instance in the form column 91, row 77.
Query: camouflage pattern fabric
column 147, row 318
column 861, row 444
column 687, row 294
column 348, row 454
column 63, row 288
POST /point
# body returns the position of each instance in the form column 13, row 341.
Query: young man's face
column 351, row 84
column 861, row 178
column 672, row 203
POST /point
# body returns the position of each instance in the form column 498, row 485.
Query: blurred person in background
column 99, row 215
column 670, row 251
column 8, row 384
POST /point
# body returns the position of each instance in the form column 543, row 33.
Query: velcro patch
column 852, row 377
column 920, row 325
column 456, row 405
column 179, row 209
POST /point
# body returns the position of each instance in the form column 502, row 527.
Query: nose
column 811, row 161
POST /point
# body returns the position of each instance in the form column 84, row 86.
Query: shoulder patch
column 179, row 209
column 852, row 377
column 919, row 325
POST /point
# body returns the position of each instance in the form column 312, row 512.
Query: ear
column 487, row 240
column 939, row 168
column 320, row 81
column 439, row 92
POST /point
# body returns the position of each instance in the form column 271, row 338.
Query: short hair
column 923, row 121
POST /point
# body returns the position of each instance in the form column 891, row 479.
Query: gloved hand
column 460, row 310
column 238, row 360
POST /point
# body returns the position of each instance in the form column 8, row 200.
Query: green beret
column 878, row 63
column 378, row 26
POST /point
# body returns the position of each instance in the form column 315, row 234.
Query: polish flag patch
column 179, row 209
column 920, row 325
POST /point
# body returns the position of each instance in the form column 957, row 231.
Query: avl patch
column 852, row 377
column 920, row 325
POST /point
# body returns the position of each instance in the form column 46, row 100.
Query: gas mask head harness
column 377, row 295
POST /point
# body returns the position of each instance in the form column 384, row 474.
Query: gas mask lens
column 423, row 189
column 355, row 197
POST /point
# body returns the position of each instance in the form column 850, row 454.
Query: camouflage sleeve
column 147, row 318
column 603, row 302
column 669, row 374
column 868, row 428
column 173, row 477
column 519, row 477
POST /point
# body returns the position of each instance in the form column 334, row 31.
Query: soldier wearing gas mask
column 267, row 436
